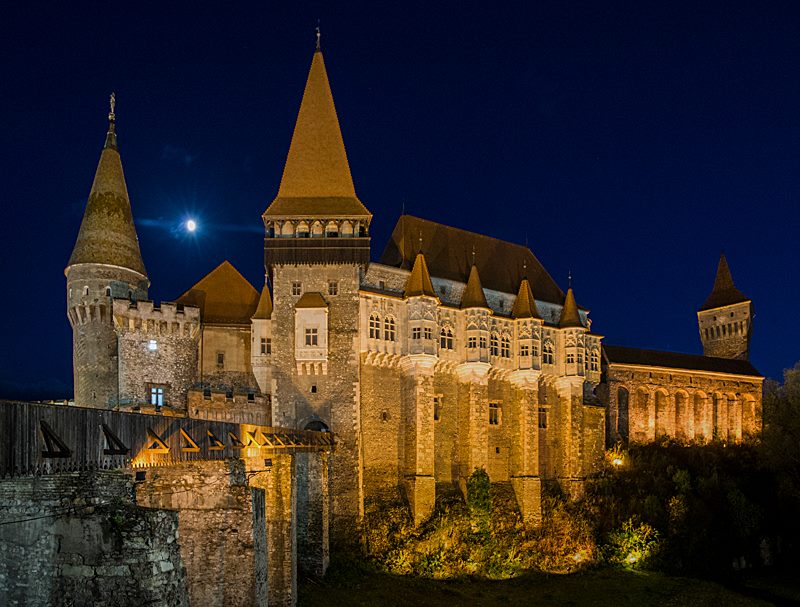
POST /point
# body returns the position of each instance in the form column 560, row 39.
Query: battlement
column 148, row 317
column 251, row 408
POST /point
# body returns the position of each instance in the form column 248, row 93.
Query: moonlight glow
column 191, row 225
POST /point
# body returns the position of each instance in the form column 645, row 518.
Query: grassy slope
column 356, row 586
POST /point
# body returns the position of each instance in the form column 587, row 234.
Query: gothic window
column 494, row 414
column 333, row 287
column 594, row 361
column 542, row 418
column 428, row 333
column 524, row 350
column 374, row 326
column 312, row 336
column 446, row 339
column 389, row 329
column 297, row 287
column 547, row 356
column 472, row 342
column 494, row 348
column 505, row 347
column 416, row 333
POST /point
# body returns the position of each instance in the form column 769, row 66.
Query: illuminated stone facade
column 453, row 352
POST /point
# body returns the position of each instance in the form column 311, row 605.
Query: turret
column 529, row 328
column 725, row 319
column 422, row 301
column 476, row 318
column 105, row 264
column 572, row 336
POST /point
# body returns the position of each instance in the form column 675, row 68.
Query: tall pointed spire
column 570, row 317
column 525, row 304
column 107, row 234
column 724, row 292
column 316, row 178
column 473, row 296
column 419, row 281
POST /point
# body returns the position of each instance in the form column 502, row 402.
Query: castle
column 453, row 351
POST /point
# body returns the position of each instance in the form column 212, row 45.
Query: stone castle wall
column 79, row 539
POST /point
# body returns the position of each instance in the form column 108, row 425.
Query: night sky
column 629, row 144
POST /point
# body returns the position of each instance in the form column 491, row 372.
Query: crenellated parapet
column 153, row 320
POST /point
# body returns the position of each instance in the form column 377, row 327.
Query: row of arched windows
column 317, row 229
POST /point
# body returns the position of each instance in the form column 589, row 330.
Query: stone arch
column 623, row 404
column 317, row 425
column 749, row 418
column 662, row 417
column 640, row 428
column 734, row 417
column 700, row 413
column 718, row 422
column 682, row 415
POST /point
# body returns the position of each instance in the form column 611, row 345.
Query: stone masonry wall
column 220, row 518
column 78, row 539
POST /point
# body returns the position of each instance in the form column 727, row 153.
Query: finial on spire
column 420, row 241
column 319, row 35
column 111, row 136
column 524, row 268
column 473, row 254
column 569, row 278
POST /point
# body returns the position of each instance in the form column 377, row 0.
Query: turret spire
column 107, row 235
column 724, row 292
column 525, row 304
column 419, row 281
column 570, row 317
column 473, row 296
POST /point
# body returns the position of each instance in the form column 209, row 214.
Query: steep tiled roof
column 316, row 178
column 448, row 251
column 107, row 234
column 224, row 296
column 724, row 292
column 676, row 360
column 264, row 309
column 311, row 299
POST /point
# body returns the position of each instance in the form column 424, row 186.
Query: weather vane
column 473, row 254
column 569, row 278
column 319, row 35
column 112, row 102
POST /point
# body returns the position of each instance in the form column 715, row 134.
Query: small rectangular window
column 220, row 359
column 333, row 287
column 263, row 345
column 416, row 333
column 382, row 285
column 428, row 333
column 570, row 358
column 483, row 343
column 472, row 342
column 313, row 388
column 297, row 288
column 437, row 407
column 524, row 350
column 312, row 337
column 269, row 345
column 157, row 396
column 494, row 414
column 542, row 418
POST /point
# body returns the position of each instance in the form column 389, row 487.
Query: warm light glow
column 191, row 225
column 617, row 461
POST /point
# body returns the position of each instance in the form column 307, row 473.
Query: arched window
column 374, row 326
column 623, row 396
column 331, row 230
column 316, row 229
column 505, row 347
column 86, row 291
column 347, row 229
column 494, row 345
column 594, row 360
column 317, row 425
column 547, row 353
column 389, row 329
column 662, row 427
column 700, row 416
column 446, row 338
column 302, row 230
column 287, row 230
column 108, row 291
column 681, row 415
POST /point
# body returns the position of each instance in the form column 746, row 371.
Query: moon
column 191, row 225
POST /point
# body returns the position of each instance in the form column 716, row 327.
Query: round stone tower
column 105, row 264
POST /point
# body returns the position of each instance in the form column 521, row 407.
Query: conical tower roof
column 264, row 309
column 473, row 296
column 724, row 292
column 570, row 317
column 107, row 234
column 525, row 304
column 316, row 178
column 419, row 281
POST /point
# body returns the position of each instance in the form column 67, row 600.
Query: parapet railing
column 38, row 439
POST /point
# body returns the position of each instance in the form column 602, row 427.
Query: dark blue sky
column 629, row 143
